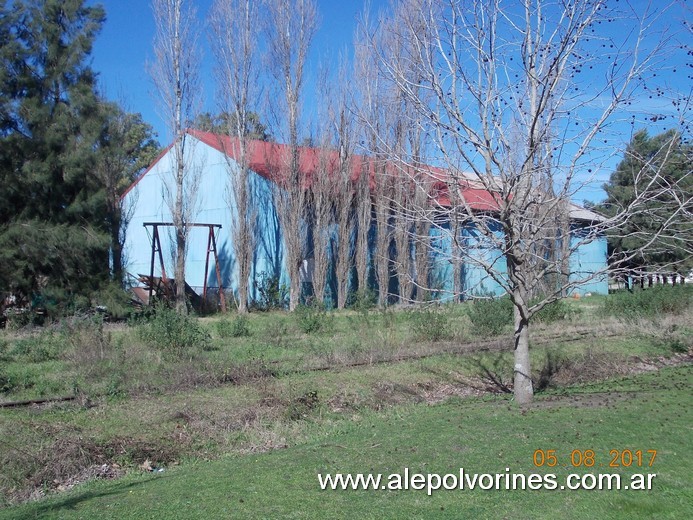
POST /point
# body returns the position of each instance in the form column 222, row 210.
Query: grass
column 102, row 361
column 650, row 411
column 268, row 382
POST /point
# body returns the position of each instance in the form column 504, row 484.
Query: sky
column 124, row 46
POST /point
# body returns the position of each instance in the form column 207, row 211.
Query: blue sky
column 125, row 44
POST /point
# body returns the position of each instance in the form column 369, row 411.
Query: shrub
column 47, row 345
column 311, row 318
column 364, row 301
column 553, row 312
column 4, row 349
column 276, row 331
column 113, row 301
column 273, row 293
column 489, row 316
column 430, row 324
column 651, row 302
column 301, row 407
column 175, row 334
column 239, row 327
column 18, row 318
column 89, row 342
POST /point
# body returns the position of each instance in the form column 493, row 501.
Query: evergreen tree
column 220, row 124
column 668, row 154
column 56, row 136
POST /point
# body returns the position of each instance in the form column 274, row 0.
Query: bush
column 113, row 301
column 176, row 335
column 553, row 312
column 430, row 324
column 301, row 407
column 364, row 301
column 273, row 293
column 239, row 327
column 489, row 316
column 4, row 349
column 650, row 302
column 44, row 346
column 90, row 343
column 276, row 331
column 312, row 318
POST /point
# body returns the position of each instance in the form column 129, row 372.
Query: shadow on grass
column 52, row 506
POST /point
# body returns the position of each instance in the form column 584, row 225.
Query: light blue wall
column 475, row 280
column 147, row 202
column 588, row 259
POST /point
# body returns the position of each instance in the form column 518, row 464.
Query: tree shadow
column 51, row 506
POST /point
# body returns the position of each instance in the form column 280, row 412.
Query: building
column 208, row 155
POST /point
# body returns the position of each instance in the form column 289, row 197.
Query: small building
column 208, row 156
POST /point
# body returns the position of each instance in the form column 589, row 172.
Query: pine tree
column 53, row 235
column 667, row 154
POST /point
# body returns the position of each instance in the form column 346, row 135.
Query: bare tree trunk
column 403, row 229
column 174, row 72
column 290, row 29
column 523, row 389
column 321, row 213
column 421, row 257
column 383, row 239
column 363, row 225
column 344, row 197
column 234, row 24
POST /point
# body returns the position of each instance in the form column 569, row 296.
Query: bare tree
column 336, row 129
column 234, row 24
column 127, row 148
column 528, row 99
column 345, row 193
column 290, row 29
column 367, row 106
column 363, row 219
column 402, row 231
column 321, row 209
column 174, row 73
column 381, row 129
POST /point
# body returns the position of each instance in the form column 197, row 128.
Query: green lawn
column 246, row 421
column 482, row 435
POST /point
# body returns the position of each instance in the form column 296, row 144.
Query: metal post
column 222, row 298
column 204, row 284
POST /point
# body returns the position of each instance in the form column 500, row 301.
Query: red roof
column 270, row 160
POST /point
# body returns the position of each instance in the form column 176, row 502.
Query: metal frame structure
column 211, row 248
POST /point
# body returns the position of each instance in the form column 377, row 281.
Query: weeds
column 302, row 406
column 651, row 302
column 174, row 334
column 312, row 318
column 276, row 332
column 239, row 327
column 489, row 316
column 429, row 324
column 273, row 294
column 555, row 311
column 47, row 345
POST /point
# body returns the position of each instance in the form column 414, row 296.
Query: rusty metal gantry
column 211, row 248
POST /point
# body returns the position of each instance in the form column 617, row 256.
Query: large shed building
column 209, row 156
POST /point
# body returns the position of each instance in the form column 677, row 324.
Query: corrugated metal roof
column 270, row 160
column 584, row 214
